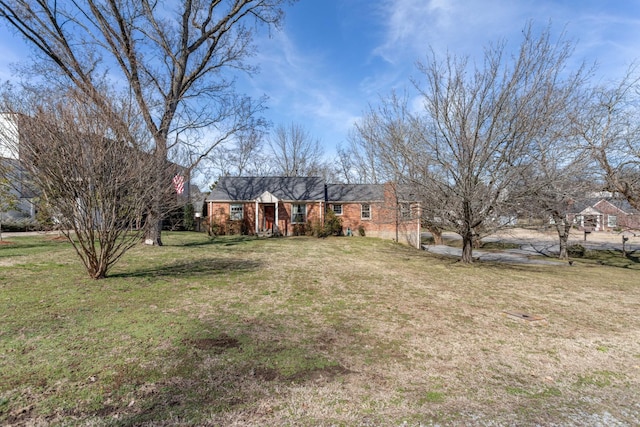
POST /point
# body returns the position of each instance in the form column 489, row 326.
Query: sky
column 333, row 58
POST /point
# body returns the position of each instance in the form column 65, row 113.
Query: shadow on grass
column 222, row 241
column 199, row 267
column 20, row 246
column 613, row 258
column 223, row 369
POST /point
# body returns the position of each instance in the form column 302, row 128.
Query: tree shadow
column 20, row 245
column 633, row 256
column 198, row 267
column 224, row 369
column 220, row 241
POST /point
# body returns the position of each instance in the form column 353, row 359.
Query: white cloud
column 303, row 88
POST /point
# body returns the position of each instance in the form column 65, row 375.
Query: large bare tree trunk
column 153, row 235
column 190, row 89
column 563, row 227
column 467, row 247
column 436, row 232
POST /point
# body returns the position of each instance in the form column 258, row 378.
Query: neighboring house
column 13, row 131
column 605, row 214
column 11, row 169
column 287, row 205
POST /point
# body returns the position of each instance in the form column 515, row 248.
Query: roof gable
column 608, row 204
column 590, row 211
column 267, row 197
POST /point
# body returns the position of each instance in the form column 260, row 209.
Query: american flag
column 178, row 183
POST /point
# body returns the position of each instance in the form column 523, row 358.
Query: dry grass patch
column 302, row 331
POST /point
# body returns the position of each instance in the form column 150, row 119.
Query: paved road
column 535, row 247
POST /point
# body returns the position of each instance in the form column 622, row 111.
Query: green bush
column 189, row 217
column 576, row 251
column 332, row 224
column 361, row 230
column 25, row 224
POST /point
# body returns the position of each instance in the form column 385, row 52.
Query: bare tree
column 241, row 156
column 174, row 63
column 559, row 179
column 363, row 163
column 384, row 146
column 609, row 127
column 478, row 126
column 89, row 177
column 294, row 152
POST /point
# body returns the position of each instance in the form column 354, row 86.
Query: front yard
column 305, row 331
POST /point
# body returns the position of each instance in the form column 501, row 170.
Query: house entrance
column 269, row 216
column 591, row 222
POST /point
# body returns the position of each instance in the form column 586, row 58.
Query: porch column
column 275, row 228
column 257, row 223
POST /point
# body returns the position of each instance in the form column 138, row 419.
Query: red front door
column 269, row 217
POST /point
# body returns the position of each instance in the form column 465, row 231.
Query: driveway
column 535, row 247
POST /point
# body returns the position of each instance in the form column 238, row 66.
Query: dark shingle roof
column 233, row 188
column 355, row 192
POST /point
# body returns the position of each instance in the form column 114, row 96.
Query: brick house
column 286, row 205
column 605, row 214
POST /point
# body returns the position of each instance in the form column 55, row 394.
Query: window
column 298, row 213
column 612, row 221
column 405, row 210
column 365, row 211
column 337, row 209
column 236, row 212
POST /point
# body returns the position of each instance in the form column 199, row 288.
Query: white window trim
column 362, row 211
column 240, row 211
column 613, row 223
column 333, row 208
column 294, row 214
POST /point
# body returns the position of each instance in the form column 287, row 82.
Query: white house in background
column 10, row 166
column 11, row 169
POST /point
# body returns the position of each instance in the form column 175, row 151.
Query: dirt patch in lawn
column 217, row 344
column 338, row 331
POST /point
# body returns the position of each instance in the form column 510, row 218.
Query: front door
column 269, row 216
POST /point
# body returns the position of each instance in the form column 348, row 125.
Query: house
column 12, row 170
column 15, row 131
column 288, row 205
column 605, row 214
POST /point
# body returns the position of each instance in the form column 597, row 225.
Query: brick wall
column 623, row 220
column 219, row 214
column 386, row 222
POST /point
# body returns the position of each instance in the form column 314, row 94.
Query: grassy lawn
column 305, row 331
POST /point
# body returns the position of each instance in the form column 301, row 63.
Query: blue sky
column 333, row 57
